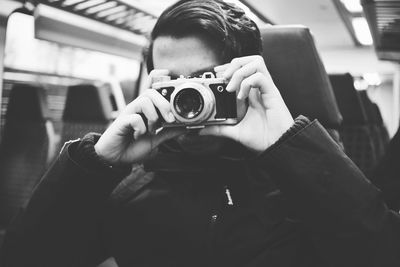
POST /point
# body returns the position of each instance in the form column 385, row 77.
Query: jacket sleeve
column 61, row 225
column 343, row 211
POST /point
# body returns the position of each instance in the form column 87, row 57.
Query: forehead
column 185, row 55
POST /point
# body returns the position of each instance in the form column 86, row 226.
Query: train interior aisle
column 68, row 67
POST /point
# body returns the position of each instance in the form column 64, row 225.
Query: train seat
column 88, row 108
column 378, row 130
column 357, row 136
column 129, row 89
column 297, row 70
column 28, row 143
column 382, row 130
column 386, row 173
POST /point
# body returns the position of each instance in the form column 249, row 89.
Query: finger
column 219, row 130
column 154, row 73
column 146, row 107
column 221, row 68
column 132, row 123
column 240, row 74
column 256, row 80
column 237, row 63
column 162, row 105
column 158, row 101
column 255, row 98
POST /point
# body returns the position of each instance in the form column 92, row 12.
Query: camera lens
column 188, row 103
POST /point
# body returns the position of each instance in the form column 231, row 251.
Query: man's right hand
column 128, row 139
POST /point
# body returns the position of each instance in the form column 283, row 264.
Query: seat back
column 383, row 132
column 129, row 89
column 87, row 109
column 27, row 145
column 297, row 70
column 356, row 134
column 386, row 173
column 375, row 123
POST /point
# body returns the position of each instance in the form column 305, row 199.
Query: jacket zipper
column 216, row 217
column 228, row 196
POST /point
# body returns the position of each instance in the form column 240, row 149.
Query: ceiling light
column 353, row 6
column 361, row 28
column 372, row 78
column 361, row 84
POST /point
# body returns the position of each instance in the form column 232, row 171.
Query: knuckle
column 136, row 119
column 157, row 99
column 145, row 94
column 146, row 101
column 153, row 119
column 246, row 83
column 236, row 62
column 238, row 75
column 259, row 75
column 152, row 73
column 153, row 93
column 259, row 58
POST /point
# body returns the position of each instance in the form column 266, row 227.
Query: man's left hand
column 267, row 117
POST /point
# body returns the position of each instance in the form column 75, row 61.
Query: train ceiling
column 383, row 17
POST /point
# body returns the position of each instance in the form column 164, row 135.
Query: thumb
column 154, row 73
column 219, row 130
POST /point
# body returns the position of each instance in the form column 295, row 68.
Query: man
column 269, row 191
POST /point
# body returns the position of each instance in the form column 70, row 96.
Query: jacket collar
column 170, row 157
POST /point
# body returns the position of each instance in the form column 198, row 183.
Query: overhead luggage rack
column 383, row 17
column 115, row 13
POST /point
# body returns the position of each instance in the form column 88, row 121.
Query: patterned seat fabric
column 386, row 174
column 87, row 109
column 355, row 131
column 27, row 145
column 375, row 122
column 359, row 146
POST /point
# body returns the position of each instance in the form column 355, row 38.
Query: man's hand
column 129, row 139
column 267, row 117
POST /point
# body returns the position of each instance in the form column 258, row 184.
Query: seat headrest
column 87, row 103
column 296, row 68
column 348, row 99
column 27, row 103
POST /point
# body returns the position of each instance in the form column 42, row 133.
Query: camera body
column 198, row 102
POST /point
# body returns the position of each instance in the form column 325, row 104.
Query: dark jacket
column 302, row 202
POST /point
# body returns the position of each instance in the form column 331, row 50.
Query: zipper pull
column 214, row 218
column 228, row 195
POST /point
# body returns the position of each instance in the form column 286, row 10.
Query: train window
column 24, row 52
column 56, row 66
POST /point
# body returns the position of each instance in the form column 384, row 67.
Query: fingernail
column 240, row 95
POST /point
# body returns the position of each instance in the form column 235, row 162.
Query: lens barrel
column 188, row 103
column 192, row 103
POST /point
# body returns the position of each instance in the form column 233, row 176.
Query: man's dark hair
column 232, row 32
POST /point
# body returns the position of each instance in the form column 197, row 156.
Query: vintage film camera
column 198, row 102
